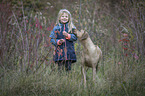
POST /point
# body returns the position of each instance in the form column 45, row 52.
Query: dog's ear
column 84, row 36
column 75, row 32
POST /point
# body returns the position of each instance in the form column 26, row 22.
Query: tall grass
column 26, row 66
column 116, row 81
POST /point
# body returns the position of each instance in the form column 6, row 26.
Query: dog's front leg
column 84, row 75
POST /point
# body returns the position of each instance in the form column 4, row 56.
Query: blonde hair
column 70, row 23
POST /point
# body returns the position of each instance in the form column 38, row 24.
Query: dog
column 91, row 54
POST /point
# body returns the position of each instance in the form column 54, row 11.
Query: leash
column 65, row 49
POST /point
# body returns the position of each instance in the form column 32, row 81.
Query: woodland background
column 26, row 65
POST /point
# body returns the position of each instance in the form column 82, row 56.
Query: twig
column 42, row 61
column 19, row 28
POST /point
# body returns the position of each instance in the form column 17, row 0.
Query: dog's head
column 82, row 35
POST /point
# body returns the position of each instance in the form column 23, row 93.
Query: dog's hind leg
column 94, row 73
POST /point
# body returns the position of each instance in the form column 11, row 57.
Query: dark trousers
column 66, row 64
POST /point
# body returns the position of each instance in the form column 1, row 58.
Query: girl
column 62, row 37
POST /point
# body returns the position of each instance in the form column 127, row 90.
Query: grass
column 116, row 81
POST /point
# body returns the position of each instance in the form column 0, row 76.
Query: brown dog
column 91, row 53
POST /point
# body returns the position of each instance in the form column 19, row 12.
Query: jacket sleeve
column 73, row 36
column 53, row 38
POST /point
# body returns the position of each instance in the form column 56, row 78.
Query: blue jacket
column 60, row 52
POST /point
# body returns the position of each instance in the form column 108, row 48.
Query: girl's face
column 64, row 18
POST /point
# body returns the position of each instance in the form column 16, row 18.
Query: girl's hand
column 61, row 41
column 65, row 33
